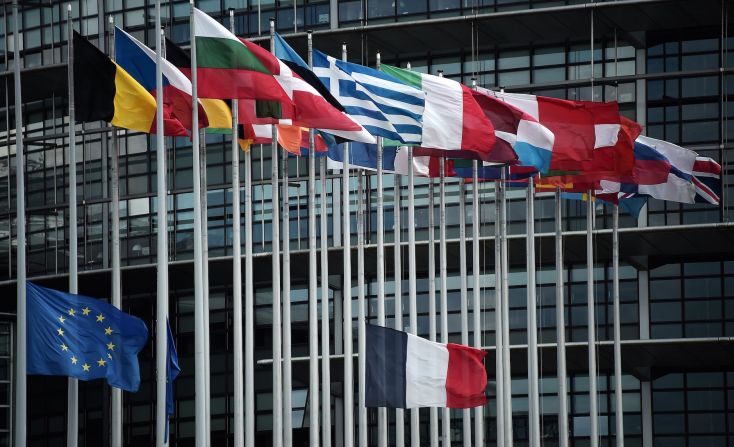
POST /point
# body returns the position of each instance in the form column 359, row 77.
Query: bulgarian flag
column 228, row 68
column 452, row 119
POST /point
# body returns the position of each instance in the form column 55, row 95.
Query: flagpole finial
column 111, row 19
column 68, row 8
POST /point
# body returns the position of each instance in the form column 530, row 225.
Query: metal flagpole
column 498, row 304
column 21, row 354
column 239, row 428
column 591, row 320
column 476, row 293
column 506, row 363
column 398, row 280
column 72, row 424
column 205, row 281
column 347, row 296
column 381, row 412
column 432, row 297
column 199, row 327
column 325, row 342
column 446, row 415
column 313, row 328
column 619, row 405
column 533, row 395
column 287, row 362
column 116, row 404
column 277, row 347
column 161, row 343
column 249, row 428
column 361, row 328
column 413, row 311
column 466, row 413
column 561, row 330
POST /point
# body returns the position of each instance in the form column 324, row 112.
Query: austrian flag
column 406, row 371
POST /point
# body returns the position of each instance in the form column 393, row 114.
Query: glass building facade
column 668, row 63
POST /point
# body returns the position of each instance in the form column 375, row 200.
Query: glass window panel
column 549, row 56
column 514, row 78
column 514, row 59
column 703, row 86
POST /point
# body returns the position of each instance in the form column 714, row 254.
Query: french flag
column 140, row 62
column 406, row 371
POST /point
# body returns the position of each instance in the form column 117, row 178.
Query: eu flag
column 82, row 337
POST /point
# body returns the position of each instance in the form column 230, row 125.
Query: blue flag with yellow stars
column 82, row 337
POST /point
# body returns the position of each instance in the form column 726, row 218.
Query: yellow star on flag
column 111, row 346
column 62, row 319
column 100, row 318
column 86, row 311
column 109, row 356
column 72, row 312
column 108, row 331
column 60, row 331
column 85, row 367
column 73, row 360
column 101, row 362
column 64, row 347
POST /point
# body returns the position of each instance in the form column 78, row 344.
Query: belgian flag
column 105, row 92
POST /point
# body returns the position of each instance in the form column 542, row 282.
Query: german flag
column 105, row 92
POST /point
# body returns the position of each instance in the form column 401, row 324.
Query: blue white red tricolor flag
column 406, row 371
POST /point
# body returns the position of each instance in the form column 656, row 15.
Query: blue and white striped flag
column 382, row 104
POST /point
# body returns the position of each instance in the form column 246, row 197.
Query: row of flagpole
column 244, row 389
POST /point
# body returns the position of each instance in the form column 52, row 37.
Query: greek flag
column 384, row 106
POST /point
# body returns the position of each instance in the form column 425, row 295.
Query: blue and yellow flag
column 82, row 337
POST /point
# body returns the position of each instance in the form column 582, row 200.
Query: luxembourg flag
column 578, row 127
column 406, row 371
column 531, row 141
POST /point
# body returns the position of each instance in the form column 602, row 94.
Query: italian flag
column 228, row 68
column 452, row 119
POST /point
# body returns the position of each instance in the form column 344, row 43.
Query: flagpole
column 325, row 342
column 466, row 413
column 205, row 281
column 561, row 329
column 432, row 297
column 446, row 416
column 239, row 428
column 591, row 320
column 116, row 393
column 276, row 330
column 21, row 354
column 361, row 341
column 619, row 404
column 381, row 412
column 498, row 305
column 476, row 293
column 532, row 320
column 506, row 363
column 72, row 425
column 287, row 361
column 412, row 300
column 199, row 328
column 249, row 342
column 161, row 344
column 347, row 296
column 398, row 281
column 313, row 328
